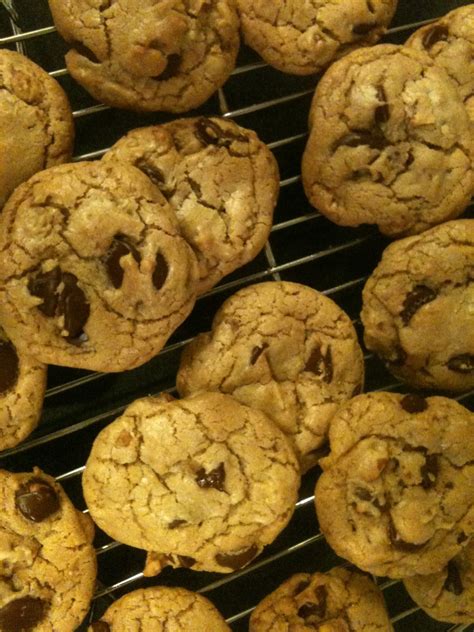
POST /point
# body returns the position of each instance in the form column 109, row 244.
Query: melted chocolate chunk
column 172, row 67
column 214, row 478
column 414, row 403
column 257, row 352
column 155, row 174
column 463, row 363
column 209, row 133
column 321, row 364
column 435, row 34
column 160, row 272
column 186, row 561
column 382, row 112
column 22, row 615
column 399, row 359
column 402, row 545
column 312, row 609
column 453, row 583
column 363, row 494
column 9, row 366
column 372, row 138
column 364, row 28
column 120, row 247
column 44, row 285
column 419, row 296
column 301, row 586
column 174, row 524
column 37, row 500
column 85, row 51
column 357, row 390
column 100, row 626
column 462, row 537
column 237, row 560
column 429, row 471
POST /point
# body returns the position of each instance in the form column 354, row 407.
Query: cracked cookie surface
column 47, row 561
column 222, row 181
column 36, row 126
column 418, row 307
column 396, row 496
column 303, row 37
column 161, row 609
column 450, row 42
column 340, row 600
column 284, row 349
column 390, row 143
column 202, row 482
column 22, row 386
column 95, row 273
column 147, row 55
column 449, row 594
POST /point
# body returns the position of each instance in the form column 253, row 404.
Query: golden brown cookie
column 148, row 55
column 396, row 496
column 390, row 143
column 36, row 126
column 221, row 180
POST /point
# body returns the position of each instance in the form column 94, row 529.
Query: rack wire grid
column 303, row 247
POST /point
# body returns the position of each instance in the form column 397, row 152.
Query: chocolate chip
column 155, row 174
column 453, row 583
column 160, row 272
column 9, row 366
column 399, row 544
column 83, row 50
column 100, row 626
column 373, row 139
column 399, row 359
column 301, row 586
column 186, row 561
column 174, row 524
column 312, row 609
column 257, row 352
column 463, row 363
column 462, row 537
column 382, row 112
column 214, row 478
column 44, row 285
column 414, row 403
column 357, row 390
column 363, row 494
column 22, row 615
column 237, row 560
column 429, row 471
column 120, row 247
column 364, row 28
column 37, row 500
column 321, row 364
column 419, row 296
column 435, row 34
column 210, row 133
column 172, row 67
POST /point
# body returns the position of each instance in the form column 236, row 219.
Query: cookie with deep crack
column 396, row 496
column 450, row 42
column 339, row 600
column 95, row 273
column 220, row 178
column 418, row 307
column 284, row 349
column 449, row 594
column 47, row 561
column 203, row 482
column 161, row 609
column 302, row 38
column 390, row 143
column 36, row 126
column 147, row 55
column 22, row 386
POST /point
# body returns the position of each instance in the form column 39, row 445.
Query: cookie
column 222, row 181
column 149, row 55
column 396, row 496
column 47, row 561
column 338, row 600
column 418, row 307
column 390, row 143
column 302, row 38
column 450, row 42
column 161, row 609
column 284, row 349
column 203, row 482
column 94, row 271
column 36, row 126
column 449, row 594
column 22, row 386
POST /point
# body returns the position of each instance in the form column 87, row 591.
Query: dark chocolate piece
column 37, row 500
column 237, row 560
column 214, row 478
column 9, row 366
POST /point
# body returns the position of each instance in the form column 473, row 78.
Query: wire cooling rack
column 303, row 247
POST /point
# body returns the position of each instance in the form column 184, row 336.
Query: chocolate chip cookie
column 418, row 307
column 47, row 562
column 396, row 496
column 147, row 55
column 95, row 273
column 284, row 349
column 203, row 482
column 36, row 126
column 450, row 42
column 338, row 600
column 390, row 143
column 22, row 386
column 449, row 594
column 303, row 37
column 221, row 180
column 161, row 609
